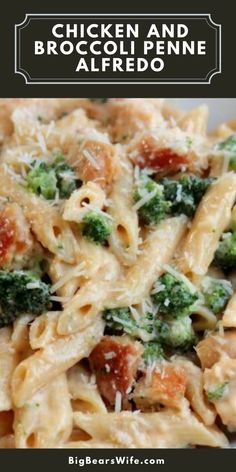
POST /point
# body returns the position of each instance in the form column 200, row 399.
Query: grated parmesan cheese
column 220, row 328
column 68, row 175
column 158, row 287
column 135, row 314
column 118, row 402
column 109, row 355
column 149, row 372
column 91, row 159
column 33, row 285
column 51, row 127
column 42, row 142
column 144, row 200
column 60, row 299
column 92, row 380
column 179, row 193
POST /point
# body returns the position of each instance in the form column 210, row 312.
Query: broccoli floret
column 217, row 392
column 216, row 294
column 229, row 146
column 42, row 180
column 157, row 207
column 176, row 333
column 48, row 179
column 185, row 193
column 199, row 186
column 65, row 174
column 120, row 320
column 173, row 296
column 225, row 255
column 182, row 200
column 153, row 351
column 96, row 227
column 21, row 292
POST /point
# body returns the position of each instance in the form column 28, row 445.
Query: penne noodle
column 124, row 239
column 158, row 249
column 46, row 419
column 211, row 219
column 40, row 368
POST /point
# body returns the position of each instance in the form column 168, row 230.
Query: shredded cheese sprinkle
column 144, row 200
column 91, row 159
column 118, row 402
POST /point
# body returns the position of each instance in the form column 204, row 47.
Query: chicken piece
column 157, row 155
column 7, row 106
column 165, row 386
column 44, row 107
column 211, row 349
column 95, row 160
column 6, row 422
column 115, row 362
column 15, row 237
column 129, row 116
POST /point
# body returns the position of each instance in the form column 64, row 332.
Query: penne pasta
column 9, row 360
column 84, row 391
column 229, row 316
column 162, row 429
column 37, row 370
column 46, row 419
column 212, row 218
column 124, row 239
column 158, row 249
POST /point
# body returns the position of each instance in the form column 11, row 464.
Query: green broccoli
column 176, row 333
column 157, row 207
column 65, row 174
column 229, row 146
column 173, row 296
column 217, row 392
column 120, row 320
column 21, row 292
column 186, row 193
column 48, row 179
column 96, row 226
column 217, row 293
column 42, row 180
column 225, row 255
column 153, row 351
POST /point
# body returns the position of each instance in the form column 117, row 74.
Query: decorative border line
column 31, row 16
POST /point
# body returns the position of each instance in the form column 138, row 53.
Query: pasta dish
column 117, row 275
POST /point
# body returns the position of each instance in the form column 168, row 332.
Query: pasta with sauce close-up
column 117, row 275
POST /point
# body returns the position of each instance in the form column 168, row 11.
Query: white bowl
column 221, row 109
